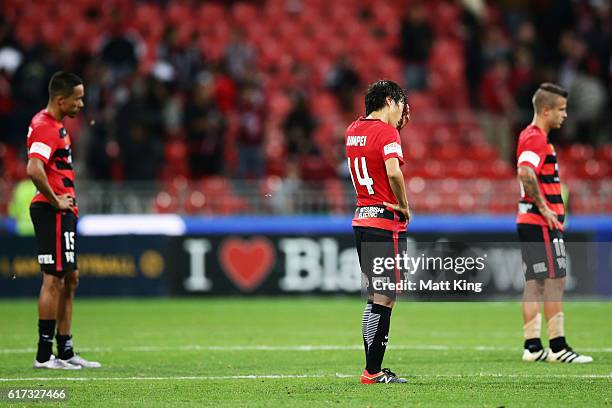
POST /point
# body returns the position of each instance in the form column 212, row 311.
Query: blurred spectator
column 497, row 100
column 523, row 83
column 495, row 46
column 19, row 207
column 205, row 125
column 225, row 89
column 182, row 54
column 595, row 27
column 141, row 153
column 93, row 141
column 239, row 55
column 587, row 99
column 140, row 128
column 252, row 120
column 416, row 37
column 343, row 80
column 495, row 89
column 551, row 18
column 30, row 88
column 7, row 106
column 282, row 192
column 299, row 127
column 10, row 53
column 527, row 41
column 471, row 28
column 11, row 58
column 119, row 49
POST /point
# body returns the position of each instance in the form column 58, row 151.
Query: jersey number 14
column 362, row 176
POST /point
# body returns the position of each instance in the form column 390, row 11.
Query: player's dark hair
column 552, row 88
column 547, row 94
column 63, row 83
column 378, row 92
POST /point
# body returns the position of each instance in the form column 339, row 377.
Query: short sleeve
column 391, row 146
column 532, row 151
column 42, row 143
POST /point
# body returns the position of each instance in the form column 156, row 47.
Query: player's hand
column 65, row 202
column 551, row 218
column 405, row 211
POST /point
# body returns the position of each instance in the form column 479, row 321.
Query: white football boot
column 56, row 364
column 539, row 355
column 81, row 362
column 567, row 355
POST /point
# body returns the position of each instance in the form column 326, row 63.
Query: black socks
column 533, row 345
column 557, row 344
column 46, row 328
column 64, row 346
column 377, row 336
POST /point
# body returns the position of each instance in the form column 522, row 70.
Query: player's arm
column 396, row 180
column 529, row 181
column 36, row 172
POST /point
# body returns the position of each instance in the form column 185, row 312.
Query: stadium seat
column 195, row 203
column 165, row 203
column 592, row 169
column 580, row 152
column 231, row 205
column 335, row 196
column 604, row 153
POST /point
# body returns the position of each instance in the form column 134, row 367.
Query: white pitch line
column 181, row 378
column 297, row 376
column 306, row 347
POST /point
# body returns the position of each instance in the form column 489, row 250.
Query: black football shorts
column 543, row 252
column 375, row 245
column 55, row 235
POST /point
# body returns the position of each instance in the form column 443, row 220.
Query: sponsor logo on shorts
column 370, row 212
column 540, row 267
column 45, row 259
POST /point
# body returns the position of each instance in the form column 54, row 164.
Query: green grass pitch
column 306, row 352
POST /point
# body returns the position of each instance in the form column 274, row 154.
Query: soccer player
column 540, row 229
column 54, row 214
column 374, row 153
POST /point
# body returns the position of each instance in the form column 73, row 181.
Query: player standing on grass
column 540, row 229
column 54, row 214
column 374, row 153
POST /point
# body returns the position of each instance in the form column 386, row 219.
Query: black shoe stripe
column 567, row 357
column 541, row 356
column 573, row 358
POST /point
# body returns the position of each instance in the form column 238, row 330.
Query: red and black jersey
column 49, row 141
column 535, row 151
column 369, row 143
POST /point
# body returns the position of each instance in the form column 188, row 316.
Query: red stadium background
column 240, row 107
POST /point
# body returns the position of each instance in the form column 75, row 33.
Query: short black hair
column 63, row 83
column 547, row 94
column 378, row 92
